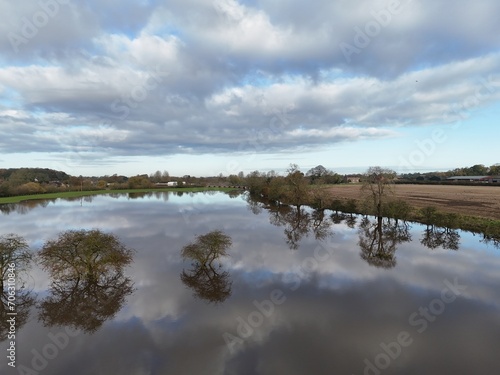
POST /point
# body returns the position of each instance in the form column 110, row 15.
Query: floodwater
column 300, row 292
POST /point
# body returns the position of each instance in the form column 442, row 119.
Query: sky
column 204, row 87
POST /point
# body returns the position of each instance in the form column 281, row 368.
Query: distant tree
column 234, row 179
column 155, row 177
column 255, row 182
column 101, row 184
column 296, row 184
column 30, row 188
column 139, row 182
column 165, row 177
column 378, row 185
column 494, row 170
column 21, row 176
column 316, row 173
column 477, row 170
column 321, row 175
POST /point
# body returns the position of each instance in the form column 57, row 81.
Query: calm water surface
column 301, row 292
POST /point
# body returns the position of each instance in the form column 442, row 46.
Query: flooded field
column 219, row 284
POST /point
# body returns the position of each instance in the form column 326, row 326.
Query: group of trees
column 475, row 170
column 293, row 188
column 287, row 187
column 88, row 284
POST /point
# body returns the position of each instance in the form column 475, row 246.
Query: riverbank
column 78, row 194
column 471, row 208
column 478, row 201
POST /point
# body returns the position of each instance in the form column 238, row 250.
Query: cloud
column 157, row 78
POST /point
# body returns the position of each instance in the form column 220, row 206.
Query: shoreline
column 85, row 193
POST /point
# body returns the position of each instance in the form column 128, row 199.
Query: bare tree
column 297, row 186
column 378, row 185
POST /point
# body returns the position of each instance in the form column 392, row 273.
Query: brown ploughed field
column 482, row 201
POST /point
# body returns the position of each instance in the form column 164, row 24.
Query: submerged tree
column 88, row 285
column 84, row 255
column 207, row 248
column 208, row 283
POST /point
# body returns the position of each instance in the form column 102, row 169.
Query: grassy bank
column 77, row 194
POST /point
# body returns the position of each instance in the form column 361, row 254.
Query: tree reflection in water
column 88, row 285
column 212, row 284
column 14, row 250
column 491, row 240
column 434, row 237
column 299, row 223
column 378, row 240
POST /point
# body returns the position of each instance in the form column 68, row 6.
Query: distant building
column 352, row 179
column 170, row 183
column 483, row 179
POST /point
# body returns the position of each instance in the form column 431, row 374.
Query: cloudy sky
column 204, row 87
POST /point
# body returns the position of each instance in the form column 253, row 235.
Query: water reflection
column 298, row 221
column 25, row 299
column 88, row 285
column 85, row 304
column 335, row 310
column 23, row 208
column 491, row 240
column 208, row 283
column 435, row 237
column 14, row 251
column 378, row 240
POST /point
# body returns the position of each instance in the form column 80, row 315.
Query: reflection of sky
column 336, row 312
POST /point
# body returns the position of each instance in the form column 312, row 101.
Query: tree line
column 475, row 170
